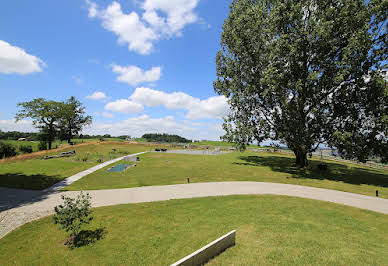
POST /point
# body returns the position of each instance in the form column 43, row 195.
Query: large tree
column 72, row 118
column 45, row 115
column 306, row 72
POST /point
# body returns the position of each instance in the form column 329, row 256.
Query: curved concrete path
column 13, row 218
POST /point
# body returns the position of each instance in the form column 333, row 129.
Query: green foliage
column 73, row 213
column 26, row 149
column 306, row 72
column 7, row 150
column 14, row 135
column 45, row 115
column 42, row 145
column 165, row 138
column 72, row 118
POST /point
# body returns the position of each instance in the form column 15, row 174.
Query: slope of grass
column 36, row 173
column 164, row 169
column 270, row 230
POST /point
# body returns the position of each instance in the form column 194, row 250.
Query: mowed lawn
column 270, row 230
column 37, row 173
column 165, row 168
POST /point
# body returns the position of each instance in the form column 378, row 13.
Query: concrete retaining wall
column 209, row 251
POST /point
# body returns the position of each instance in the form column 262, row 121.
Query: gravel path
column 13, row 218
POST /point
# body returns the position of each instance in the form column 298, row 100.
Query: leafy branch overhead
column 305, row 73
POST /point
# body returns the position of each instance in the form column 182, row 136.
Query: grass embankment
column 165, row 169
column 36, row 173
column 270, row 230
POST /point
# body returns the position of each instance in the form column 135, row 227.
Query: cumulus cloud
column 21, row 125
column 134, row 75
column 98, row 95
column 15, row 60
column 140, row 125
column 160, row 19
column 124, row 106
column 213, row 107
column 107, row 115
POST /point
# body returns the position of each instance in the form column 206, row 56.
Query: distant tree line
column 14, row 135
column 155, row 137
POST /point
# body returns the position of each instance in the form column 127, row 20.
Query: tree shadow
column 87, row 237
column 336, row 172
column 18, row 189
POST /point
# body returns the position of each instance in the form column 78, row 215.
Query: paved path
column 73, row 178
column 13, row 218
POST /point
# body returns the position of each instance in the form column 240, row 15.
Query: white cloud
column 179, row 13
column 124, row 106
column 134, row 75
column 15, row 60
column 98, row 95
column 161, row 18
column 21, row 125
column 77, row 80
column 213, row 107
column 107, row 115
column 137, row 126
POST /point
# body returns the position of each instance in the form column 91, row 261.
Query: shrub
column 25, row 148
column 73, row 214
column 7, row 150
column 42, row 145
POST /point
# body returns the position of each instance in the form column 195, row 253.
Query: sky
column 138, row 66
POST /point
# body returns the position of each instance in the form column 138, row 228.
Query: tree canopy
column 306, row 72
column 45, row 115
column 73, row 118
column 51, row 116
column 155, row 137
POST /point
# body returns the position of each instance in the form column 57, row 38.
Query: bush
column 25, row 148
column 73, row 214
column 42, row 145
column 7, row 150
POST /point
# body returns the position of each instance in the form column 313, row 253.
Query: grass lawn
column 270, row 230
column 36, row 173
column 164, row 169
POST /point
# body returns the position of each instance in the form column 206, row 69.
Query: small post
column 188, row 180
column 377, row 193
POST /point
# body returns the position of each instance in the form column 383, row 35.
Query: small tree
column 72, row 214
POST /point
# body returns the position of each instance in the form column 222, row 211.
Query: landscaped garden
column 270, row 230
column 165, row 169
column 33, row 172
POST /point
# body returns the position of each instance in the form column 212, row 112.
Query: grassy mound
column 270, row 230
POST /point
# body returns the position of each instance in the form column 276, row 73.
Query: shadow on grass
column 87, row 237
column 17, row 189
column 335, row 172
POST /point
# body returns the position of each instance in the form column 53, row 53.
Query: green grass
column 270, row 230
column 39, row 174
column 213, row 143
column 164, row 169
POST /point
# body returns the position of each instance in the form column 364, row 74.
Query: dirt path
column 13, row 218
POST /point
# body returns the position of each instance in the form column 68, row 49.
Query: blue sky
column 138, row 66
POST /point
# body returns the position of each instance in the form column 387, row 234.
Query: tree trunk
column 69, row 135
column 301, row 156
